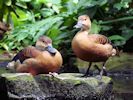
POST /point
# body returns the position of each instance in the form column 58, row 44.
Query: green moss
column 106, row 79
column 76, row 78
column 3, row 70
column 18, row 76
column 74, row 82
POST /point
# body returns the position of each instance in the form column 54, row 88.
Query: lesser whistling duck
column 91, row 47
column 42, row 58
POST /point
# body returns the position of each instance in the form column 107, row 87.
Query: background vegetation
column 31, row 18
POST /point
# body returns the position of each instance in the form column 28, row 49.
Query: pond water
column 122, row 87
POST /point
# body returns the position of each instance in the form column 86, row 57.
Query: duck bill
column 78, row 25
column 51, row 49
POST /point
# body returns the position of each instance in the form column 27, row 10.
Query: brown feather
column 91, row 47
column 28, row 52
column 36, row 60
column 101, row 39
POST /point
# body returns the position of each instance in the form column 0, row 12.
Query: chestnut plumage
column 38, row 59
column 91, row 47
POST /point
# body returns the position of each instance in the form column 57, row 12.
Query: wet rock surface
column 66, row 86
column 21, row 86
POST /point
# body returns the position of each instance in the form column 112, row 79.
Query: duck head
column 45, row 43
column 84, row 22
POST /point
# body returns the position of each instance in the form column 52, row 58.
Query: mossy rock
column 72, row 86
column 21, row 86
column 65, row 86
column 3, row 70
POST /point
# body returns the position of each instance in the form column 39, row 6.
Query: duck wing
column 28, row 52
column 100, row 39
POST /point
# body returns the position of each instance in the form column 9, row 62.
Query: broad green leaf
column 56, row 8
column 46, row 12
column 63, row 27
column 119, row 43
column 32, row 30
column 21, row 4
column 1, row 4
column 36, row 5
column 62, row 35
column 118, row 6
column 95, row 28
column 117, row 40
column 76, row 1
column 71, row 7
column 5, row 46
column 55, row 1
column 11, row 44
column 22, row 35
column 44, row 25
column 122, row 4
column 102, row 2
column 85, row 3
column 127, row 33
column 25, row 0
column 8, row 2
column 42, row 1
column 116, row 37
column 26, row 42
column 105, row 27
column 99, row 2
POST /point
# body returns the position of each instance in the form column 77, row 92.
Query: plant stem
column 116, row 20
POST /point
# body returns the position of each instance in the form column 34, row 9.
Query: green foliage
column 56, row 18
column 53, row 18
column 115, row 17
column 118, row 40
column 122, row 4
column 27, row 34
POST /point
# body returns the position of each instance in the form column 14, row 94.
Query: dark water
column 123, row 87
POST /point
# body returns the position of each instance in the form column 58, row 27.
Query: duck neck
column 85, row 31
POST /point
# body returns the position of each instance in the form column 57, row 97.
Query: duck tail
column 18, row 56
column 117, row 51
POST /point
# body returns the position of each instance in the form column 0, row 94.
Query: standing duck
column 91, row 47
column 42, row 58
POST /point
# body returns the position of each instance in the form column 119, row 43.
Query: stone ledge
column 65, row 86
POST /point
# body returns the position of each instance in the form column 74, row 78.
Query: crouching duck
column 42, row 58
column 91, row 47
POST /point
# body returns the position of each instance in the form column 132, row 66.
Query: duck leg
column 96, row 67
column 99, row 70
column 103, row 70
column 87, row 72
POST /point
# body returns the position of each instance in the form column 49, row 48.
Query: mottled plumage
column 28, row 52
